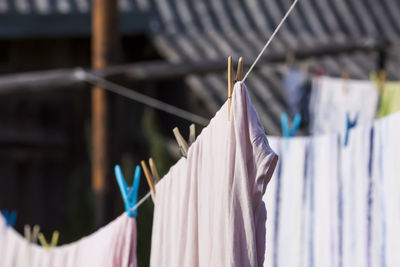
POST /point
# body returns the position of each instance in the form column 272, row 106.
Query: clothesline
column 141, row 201
column 157, row 104
column 141, row 98
column 166, row 107
column 270, row 39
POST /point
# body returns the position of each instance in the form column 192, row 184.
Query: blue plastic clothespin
column 349, row 125
column 11, row 217
column 129, row 194
column 285, row 125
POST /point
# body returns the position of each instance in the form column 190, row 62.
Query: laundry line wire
column 141, row 201
column 118, row 89
column 270, row 39
column 139, row 97
column 157, row 104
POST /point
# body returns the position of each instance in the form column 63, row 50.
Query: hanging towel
column 386, row 201
column 113, row 245
column 333, row 98
column 208, row 208
column 321, row 221
column 354, row 181
column 290, row 204
column 350, row 204
column 302, row 228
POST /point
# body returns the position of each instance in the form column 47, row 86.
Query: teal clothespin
column 129, row 194
column 285, row 125
column 11, row 217
column 349, row 125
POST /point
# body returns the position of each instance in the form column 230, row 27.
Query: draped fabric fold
column 112, row 245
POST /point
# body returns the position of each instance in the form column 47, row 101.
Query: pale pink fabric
column 208, row 208
column 113, row 245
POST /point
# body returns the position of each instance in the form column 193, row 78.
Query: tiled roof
column 194, row 30
column 44, row 7
column 187, row 30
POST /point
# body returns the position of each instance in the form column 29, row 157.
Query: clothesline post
column 104, row 51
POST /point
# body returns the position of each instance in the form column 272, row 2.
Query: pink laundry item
column 208, row 208
column 112, row 245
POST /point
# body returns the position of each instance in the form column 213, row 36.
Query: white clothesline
column 141, row 98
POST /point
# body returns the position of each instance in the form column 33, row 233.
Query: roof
column 194, row 31
column 186, row 30
column 37, row 18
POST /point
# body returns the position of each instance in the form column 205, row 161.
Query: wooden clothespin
column 382, row 80
column 289, row 60
column 346, row 78
column 150, row 176
column 53, row 243
column 381, row 67
column 239, row 72
column 346, row 74
column 192, row 134
column 239, row 77
column 153, row 169
column 31, row 235
column 305, row 67
column 183, row 145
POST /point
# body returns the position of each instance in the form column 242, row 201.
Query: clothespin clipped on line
column 183, row 145
column 10, row 217
column 129, row 194
column 151, row 176
column 286, row 132
column 31, row 235
column 349, row 125
column 346, row 74
column 231, row 82
column 154, row 170
column 290, row 60
column 192, row 134
column 382, row 81
column 346, row 78
column 53, row 243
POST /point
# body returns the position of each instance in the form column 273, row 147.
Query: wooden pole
column 104, row 50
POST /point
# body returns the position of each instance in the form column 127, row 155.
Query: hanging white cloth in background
column 296, row 202
column 209, row 209
column 349, row 207
column 333, row 98
column 391, row 157
column 376, row 255
column 322, row 181
column 290, row 204
column 386, row 197
column 112, row 245
column 354, row 180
